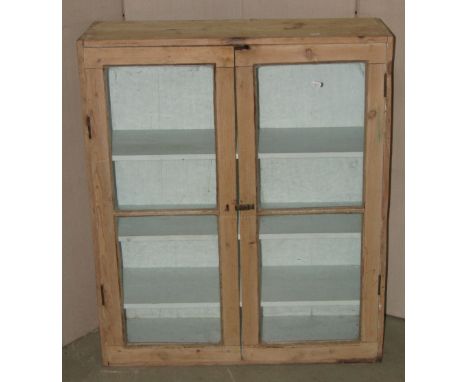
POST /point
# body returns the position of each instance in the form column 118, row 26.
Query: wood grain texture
column 107, row 267
column 89, row 158
column 165, row 355
column 227, row 198
column 228, row 32
column 248, row 195
column 171, row 212
column 311, row 211
column 98, row 58
column 312, row 352
column 392, row 13
column 373, row 196
column 386, row 191
column 262, row 54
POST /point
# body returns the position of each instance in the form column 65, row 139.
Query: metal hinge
column 245, row 207
column 379, row 282
column 88, row 124
column 385, row 85
column 103, row 300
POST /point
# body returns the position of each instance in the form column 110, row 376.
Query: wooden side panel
column 85, row 112
column 392, row 13
column 373, row 196
column 267, row 54
column 248, row 195
column 107, row 268
column 386, row 192
column 227, row 217
column 98, row 58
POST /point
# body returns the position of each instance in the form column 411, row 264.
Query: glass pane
column 163, row 140
column 170, row 278
column 311, row 134
column 310, row 277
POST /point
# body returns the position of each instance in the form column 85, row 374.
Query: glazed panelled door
column 311, row 127
column 158, row 124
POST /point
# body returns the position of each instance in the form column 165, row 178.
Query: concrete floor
column 81, row 362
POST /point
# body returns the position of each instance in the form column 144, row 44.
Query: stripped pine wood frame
column 115, row 351
column 247, row 153
column 233, row 32
column 234, row 48
column 375, row 203
column 386, row 189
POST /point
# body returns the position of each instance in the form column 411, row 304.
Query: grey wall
column 79, row 301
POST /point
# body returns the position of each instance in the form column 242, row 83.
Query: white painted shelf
column 153, row 286
column 308, row 303
column 310, row 308
column 168, row 228
column 310, row 283
column 163, row 144
column 182, row 304
column 311, row 142
column 189, row 206
column 293, row 226
column 276, row 205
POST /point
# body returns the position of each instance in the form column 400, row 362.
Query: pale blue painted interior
column 162, row 122
column 310, row 277
column 311, row 134
column 311, row 95
column 161, row 97
column 171, row 285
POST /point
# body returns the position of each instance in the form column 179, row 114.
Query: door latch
column 245, row 207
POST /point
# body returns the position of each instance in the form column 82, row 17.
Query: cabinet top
column 232, row 32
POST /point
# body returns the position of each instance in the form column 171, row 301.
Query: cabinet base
column 231, row 355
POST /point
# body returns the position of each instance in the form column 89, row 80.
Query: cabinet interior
column 163, row 137
column 170, row 278
column 311, row 134
column 310, row 280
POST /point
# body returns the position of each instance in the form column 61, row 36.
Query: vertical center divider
column 248, row 195
column 227, row 217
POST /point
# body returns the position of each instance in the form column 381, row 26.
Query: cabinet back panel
column 333, row 250
column 181, row 329
column 161, row 97
column 176, row 183
column 170, row 253
column 311, row 95
column 313, row 181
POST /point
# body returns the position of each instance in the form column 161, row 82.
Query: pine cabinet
column 239, row 179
